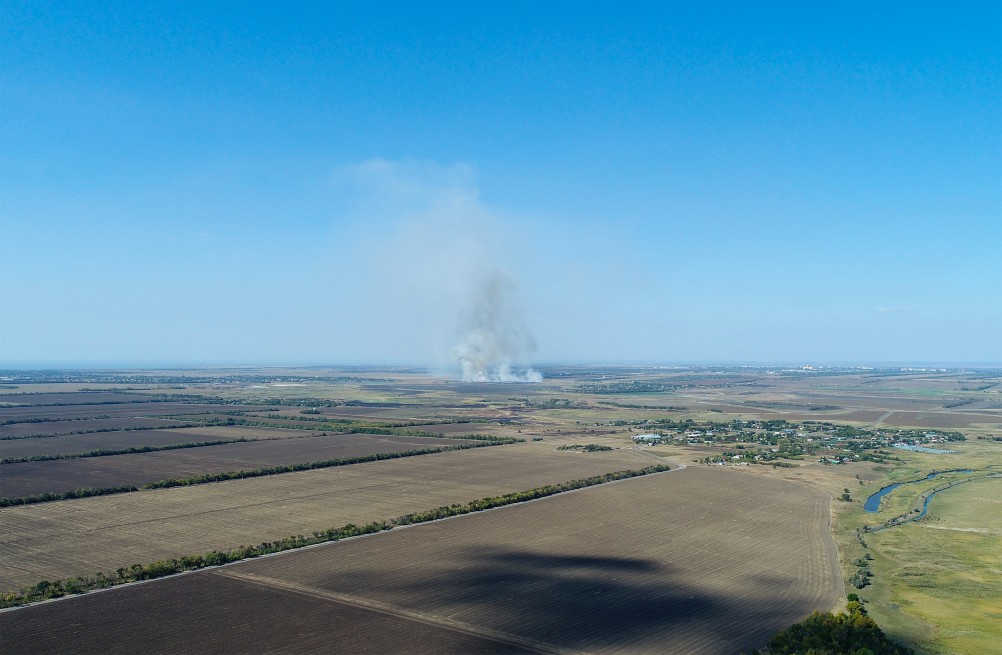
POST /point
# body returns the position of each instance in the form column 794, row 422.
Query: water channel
column 872, row 503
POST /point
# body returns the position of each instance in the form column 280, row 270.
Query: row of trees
column 338, row 425
column 54, row 589
column 49, row 435
column 239, row 475
column 132, row 450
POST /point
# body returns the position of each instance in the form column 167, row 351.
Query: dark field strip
column 129, row 438
column 213, row 614
column 134, row 450
column 612, row 569
column 55, row 589
column 343, row 426
column 75, row 398
column 56, row 427
column 456, row 425
column 603, row 571
column 118, row 410
column 33, row 437
column 21, row 482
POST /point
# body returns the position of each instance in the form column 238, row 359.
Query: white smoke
column 494, row 337
column 431, row 250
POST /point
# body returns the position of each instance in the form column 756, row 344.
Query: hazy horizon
column 146, row 365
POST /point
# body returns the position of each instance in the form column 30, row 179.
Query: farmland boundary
column 46, row 590
column 206, row 478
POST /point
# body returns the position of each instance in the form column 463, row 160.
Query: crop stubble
column 62, row 412
column 136, row 469
column 75, row 537
column 694, row 561
column 80, row 443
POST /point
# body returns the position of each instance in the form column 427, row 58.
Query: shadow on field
column 579, row 601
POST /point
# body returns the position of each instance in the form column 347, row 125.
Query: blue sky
column 210, row 183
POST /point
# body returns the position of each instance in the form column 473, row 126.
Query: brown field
column 88, row 411
column 694, row 561
column 479, row 585
column 73, row 537
column 941, row 419
column 214, row 614
column 116, row 410
column 78, row 425
column 81, row 443
column 376, row 413
column 467, row 428
column 26, row 478
column 74, row 398
column 862, row 416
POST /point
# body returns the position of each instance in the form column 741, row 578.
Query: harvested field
column 624, row 567
column 214, row 614
column 72, row 537
column 73, row 398
column 941, row 419
column 874, row 401
column 81, row 443
column 374, row 413
column 137, row 469
column 466, row 428
column 82, row 425
column 61, row 412
column 860, row 416
column 116, row 410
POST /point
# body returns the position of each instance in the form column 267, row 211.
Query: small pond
column 923, row 449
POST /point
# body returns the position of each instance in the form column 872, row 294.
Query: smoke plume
column 494, row 337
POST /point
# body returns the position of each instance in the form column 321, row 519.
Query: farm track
column 219, row 615
column 76, row 537
column 390, row 610
column 699, row 561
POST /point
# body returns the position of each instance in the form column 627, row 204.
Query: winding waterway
column 872, row 503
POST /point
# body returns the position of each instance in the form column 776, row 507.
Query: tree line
column 47, row 435
column 240, row 475
column 106, row 452
column 847, row 633
column 54, row 589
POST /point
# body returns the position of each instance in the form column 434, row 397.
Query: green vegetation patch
column 944, row 568
column 845, row 633
column 585, row 448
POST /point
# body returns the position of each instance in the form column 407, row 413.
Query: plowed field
column 82, row 425
column 74, row 397
column 72, row 537
column 115, row 410
column 212, row 614
column 81, row 443
column 697, row 561
column 26, row 478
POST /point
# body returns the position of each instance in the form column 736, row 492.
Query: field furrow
column 65, row 538
column 698, row 561
column 137, row 469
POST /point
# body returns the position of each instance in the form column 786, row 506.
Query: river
column 872, row 503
